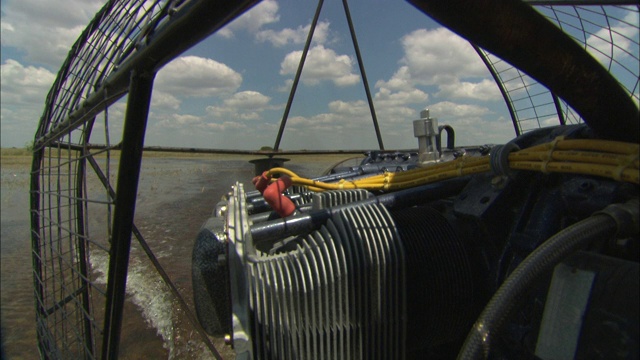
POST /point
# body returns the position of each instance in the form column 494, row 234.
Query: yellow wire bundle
column 610, row 159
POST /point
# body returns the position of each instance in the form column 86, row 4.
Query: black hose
column 541, row 261
column 269, row 231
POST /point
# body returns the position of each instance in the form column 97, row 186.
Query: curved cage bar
column 606, row 32
column 74, row 187
column 83, row 197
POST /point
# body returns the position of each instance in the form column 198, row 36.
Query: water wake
column 148, row 292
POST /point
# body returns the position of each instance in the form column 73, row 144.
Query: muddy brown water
column 175, row 197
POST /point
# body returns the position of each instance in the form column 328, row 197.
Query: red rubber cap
column 280, row 203
column 261, row 182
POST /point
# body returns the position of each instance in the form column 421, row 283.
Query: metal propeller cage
column 82, row 194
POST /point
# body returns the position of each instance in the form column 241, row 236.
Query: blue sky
column 230, row 90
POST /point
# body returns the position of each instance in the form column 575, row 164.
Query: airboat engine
column 341, row 290
column 405, row 274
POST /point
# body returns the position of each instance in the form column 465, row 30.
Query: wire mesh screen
column 73, row 186
column 66, row 245
column 608, row 33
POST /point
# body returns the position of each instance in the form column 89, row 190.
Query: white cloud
column 244, row 105
column 45, row 29
column 349, row 125
column 401, row 80
column 247, row 100
column 176, row 121
column 391, row 107
column 473, row 123
column 330, row 131
column 196, row 131
column 321, row 64
column 253, row 20
column 227, row 125
column 24, row 85
column 439, row 56
column 163, row 100
column 622, row 35
column 186, row 119
column 22, row 97
column 385, row 97
column 485, row 90
column 197, row 76
column 295, row 36
column 454, row 110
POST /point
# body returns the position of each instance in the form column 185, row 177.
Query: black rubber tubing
column 540, row 262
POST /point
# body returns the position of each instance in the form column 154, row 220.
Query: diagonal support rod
column 363, row 73
column 296, row 79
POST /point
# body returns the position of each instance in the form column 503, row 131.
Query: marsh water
column 175, row 197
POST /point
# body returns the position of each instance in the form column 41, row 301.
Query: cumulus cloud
column 22, row 96
column 321, row 64
column 186, row 119
column 247, row 100
column 485, row 90
column 197, row 76
column 163, row 100
column 244, row 105
column 220, row 126
column 623, row 34
column 295, row 36
column 330, row 131
column 473, row 123
column 45, row 29
column 348, row 124
column 401, row 80
column 386, row 97
column 24, row 85
column 391, row 107
column 253, row 20
column 455, row 110
column 437, row 56
column 226, row 125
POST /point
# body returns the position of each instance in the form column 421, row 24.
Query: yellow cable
column 627, row 175
column 576, row 156
column 281, row 170
column 615, row 147
column 611, row 159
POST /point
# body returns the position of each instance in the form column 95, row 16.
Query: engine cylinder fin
column 395, row 257
column 442, row 289
column 338, row 294
column 328, row 199
column 331, row 311
column 379, row 322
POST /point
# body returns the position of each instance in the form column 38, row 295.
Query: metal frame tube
column 141, row 87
